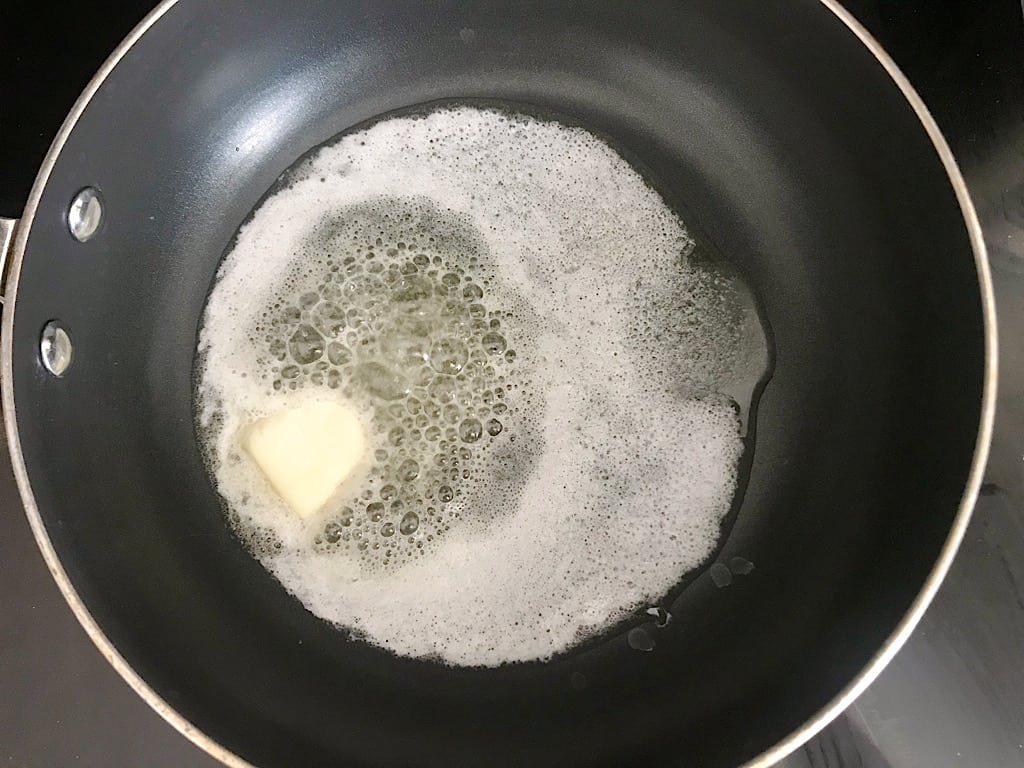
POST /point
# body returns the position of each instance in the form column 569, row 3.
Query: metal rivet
column 55, row 348
column 85, row 214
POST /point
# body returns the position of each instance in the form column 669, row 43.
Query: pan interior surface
column 775, row 133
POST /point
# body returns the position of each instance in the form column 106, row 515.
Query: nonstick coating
column 768, row 125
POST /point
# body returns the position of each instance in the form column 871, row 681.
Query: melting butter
column 307, row 452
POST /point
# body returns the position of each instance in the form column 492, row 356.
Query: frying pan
column 778, row 127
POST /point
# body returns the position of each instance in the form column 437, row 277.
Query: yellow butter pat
column 307, row 452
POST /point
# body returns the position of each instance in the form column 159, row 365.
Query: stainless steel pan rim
column 813, row 725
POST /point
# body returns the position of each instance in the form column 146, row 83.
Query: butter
column 307, row 452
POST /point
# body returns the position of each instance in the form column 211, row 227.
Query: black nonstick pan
column 781, row 130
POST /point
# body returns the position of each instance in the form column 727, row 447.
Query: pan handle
column 7, row 229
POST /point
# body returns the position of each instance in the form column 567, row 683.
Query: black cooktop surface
column 954, row 696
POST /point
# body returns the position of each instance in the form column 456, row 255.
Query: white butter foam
column 614, row 460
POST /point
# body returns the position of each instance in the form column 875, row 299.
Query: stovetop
column 953, row 697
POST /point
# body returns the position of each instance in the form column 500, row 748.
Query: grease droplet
column 639, row 639
column 720, row 575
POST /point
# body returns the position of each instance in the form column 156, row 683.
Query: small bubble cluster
column 397, row 320
column 544, row 370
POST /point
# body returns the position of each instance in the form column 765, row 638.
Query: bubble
column 408, row 470
column 338, row 353
column 493, row 343
column 448, row 356
column 470, row 430
column 306, row 345
column 494, row 427
column 443, row 389
column 278, row 349
column 332, row 532
column 382, row 381
column 375, row 511
column 412, row 288
column 445, row 493
column 472, row 291
column 388, row 529
column 408, row 352
column 662, row 618
column 410, row 522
